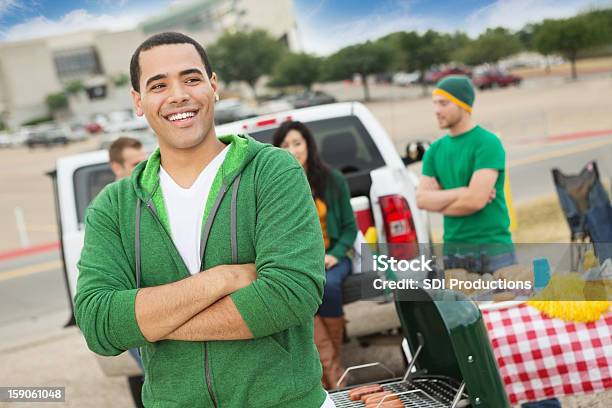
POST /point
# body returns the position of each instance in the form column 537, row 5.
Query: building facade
column 30, row 70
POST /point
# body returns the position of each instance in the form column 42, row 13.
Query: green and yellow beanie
column 459, row 89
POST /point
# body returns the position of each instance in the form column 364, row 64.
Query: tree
column 120, row 80
column 568, row 37
column 38, row 120
column 362, row 59
column 423, row 51
column 526, row 35
column 74, row 87
column 296, row 69
column 392, row 43
column 602, row 21
column 491, row 46
column 245, row 56
column 56, row 101
column 455, row 42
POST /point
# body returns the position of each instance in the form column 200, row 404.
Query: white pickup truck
column 349, row 138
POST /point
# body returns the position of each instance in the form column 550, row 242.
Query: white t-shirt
column 328, row 403
column 185, row 209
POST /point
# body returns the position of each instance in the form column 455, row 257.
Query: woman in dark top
column 332, row 199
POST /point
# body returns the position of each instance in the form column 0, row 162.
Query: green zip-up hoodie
column 277, row 229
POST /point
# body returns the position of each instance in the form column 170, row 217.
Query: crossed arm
column 225, row 302
column 198, row 304
column 459, row 201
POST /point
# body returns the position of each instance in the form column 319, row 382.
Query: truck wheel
column 135, row 384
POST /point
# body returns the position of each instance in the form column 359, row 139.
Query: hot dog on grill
column 357, row 393
column 377, row 396
column 387, row 404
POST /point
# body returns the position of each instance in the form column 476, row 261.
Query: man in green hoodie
column 209, row 258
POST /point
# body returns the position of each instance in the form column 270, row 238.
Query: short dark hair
column 115, row 151
column 164, row 39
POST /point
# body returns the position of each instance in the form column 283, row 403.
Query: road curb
column 31, row 250
column 56, row 335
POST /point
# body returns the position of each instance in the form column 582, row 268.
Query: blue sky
column 324, row 25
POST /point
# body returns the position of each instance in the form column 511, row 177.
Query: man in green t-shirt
column 463, row 177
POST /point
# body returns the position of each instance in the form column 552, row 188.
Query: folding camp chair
column 582, row 198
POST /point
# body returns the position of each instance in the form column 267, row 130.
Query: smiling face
column 176, row 96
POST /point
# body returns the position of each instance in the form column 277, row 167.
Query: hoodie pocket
column 255, row 373
column 274, row 382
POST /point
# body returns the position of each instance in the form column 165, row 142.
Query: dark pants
column 549, row 403
column 332, row 294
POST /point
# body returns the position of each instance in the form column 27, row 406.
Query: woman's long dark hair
column 317, row 172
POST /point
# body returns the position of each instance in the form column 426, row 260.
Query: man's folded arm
column 220, row 321
column 111, row 312
column 431, row 198
column 162, row 309
column 478, row 194
column 290, row 269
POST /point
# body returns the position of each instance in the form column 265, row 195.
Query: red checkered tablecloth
column 540, row 357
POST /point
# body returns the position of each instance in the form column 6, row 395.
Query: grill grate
column 429, row 393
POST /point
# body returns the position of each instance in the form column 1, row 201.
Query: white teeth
column 179, row 116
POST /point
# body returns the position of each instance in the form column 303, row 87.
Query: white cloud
column 76, row 20
column 175, row 3
column 315, row 10
column 397, row 15
column 8, row 5
column 514, row 14
column 111, row 3
column 326, row 39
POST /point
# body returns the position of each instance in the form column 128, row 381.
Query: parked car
column 124, row 121
column 5, row 140
column 77, row 132
column 231, row 110
column 350, row 139
column 310, row 98
column 272, row 106
column 405, row 78
column 432, row 77
column 383, row 78
column 46, row 135
column 93, row 128
column 495, row 78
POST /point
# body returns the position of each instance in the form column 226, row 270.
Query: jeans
column 500, row 261
column 332, row 294
column 480, row 264
column 134, row 353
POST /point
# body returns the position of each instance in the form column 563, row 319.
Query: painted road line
column 15, row 253
column 567, row 137
column 558, row 153
column 31, row 269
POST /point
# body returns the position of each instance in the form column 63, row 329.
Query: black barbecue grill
column 452, row 357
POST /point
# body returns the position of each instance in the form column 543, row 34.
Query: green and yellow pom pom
column 566, row 299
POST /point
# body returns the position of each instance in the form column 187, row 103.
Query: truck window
column 88, row 182
column 343, row 142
